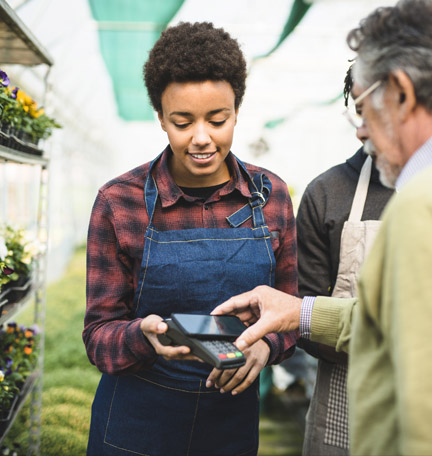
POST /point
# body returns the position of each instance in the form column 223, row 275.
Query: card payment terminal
column 209, row 337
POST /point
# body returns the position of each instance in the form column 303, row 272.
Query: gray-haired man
column 386, row 329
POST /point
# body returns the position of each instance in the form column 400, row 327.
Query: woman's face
column 199, row 118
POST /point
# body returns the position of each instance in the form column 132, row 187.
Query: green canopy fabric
column 298, row 10
column 127, row 31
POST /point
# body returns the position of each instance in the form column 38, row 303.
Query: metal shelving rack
column 19, row 46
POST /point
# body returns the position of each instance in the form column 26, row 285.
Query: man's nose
column 362, row 133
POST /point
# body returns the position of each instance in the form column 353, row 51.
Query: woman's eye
column 218, row 123
column 181, row 126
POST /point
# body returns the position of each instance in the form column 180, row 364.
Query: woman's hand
column 238, row 380
column 153, row 325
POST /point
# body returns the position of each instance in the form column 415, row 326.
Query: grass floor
column 70, row 381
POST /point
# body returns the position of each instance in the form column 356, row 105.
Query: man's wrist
column 306, row 316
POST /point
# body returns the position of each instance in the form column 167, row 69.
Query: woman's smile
column 199, row 118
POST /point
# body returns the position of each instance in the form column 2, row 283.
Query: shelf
column 16, row 156
column 8, row 310
column 22, row 396
column 17, row 44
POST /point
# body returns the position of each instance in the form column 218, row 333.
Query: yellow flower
column 1, row 376
column 27, row 102
column 28, row 350
column 28, row 333
column 35, row 112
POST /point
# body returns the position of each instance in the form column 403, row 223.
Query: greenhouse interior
column 75, row 114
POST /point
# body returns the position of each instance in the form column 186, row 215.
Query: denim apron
column 167, row 410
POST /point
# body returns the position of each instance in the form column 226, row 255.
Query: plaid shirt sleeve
column 279, row 210
column 113, row 339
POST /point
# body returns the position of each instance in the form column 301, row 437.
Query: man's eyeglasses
column 351, row 114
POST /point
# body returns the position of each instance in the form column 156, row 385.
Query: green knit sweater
column 390, row 367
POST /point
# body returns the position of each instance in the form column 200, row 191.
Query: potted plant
column 22, row 122
column 18, row 359
column 17, row 255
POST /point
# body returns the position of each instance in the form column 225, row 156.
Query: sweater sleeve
column 331, row 321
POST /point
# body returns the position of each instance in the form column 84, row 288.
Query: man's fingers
column 236, row 304
column 251, row 335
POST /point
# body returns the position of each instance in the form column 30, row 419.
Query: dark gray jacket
column 324, row 207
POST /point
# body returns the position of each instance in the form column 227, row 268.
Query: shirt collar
column 170, row 193
column 417, row 162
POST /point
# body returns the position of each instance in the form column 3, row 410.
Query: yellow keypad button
column 231, row 355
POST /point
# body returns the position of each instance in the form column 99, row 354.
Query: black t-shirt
column 202, row 192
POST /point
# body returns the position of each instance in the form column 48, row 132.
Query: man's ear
column 406, row 96
column 160, row 117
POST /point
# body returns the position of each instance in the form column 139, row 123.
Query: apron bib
column 327, row 418
column 167, row 410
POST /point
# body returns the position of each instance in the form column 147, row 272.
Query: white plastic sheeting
column 307, row 69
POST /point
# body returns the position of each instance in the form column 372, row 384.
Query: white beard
column 388, row 172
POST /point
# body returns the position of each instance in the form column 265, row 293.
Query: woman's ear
column 161, row 120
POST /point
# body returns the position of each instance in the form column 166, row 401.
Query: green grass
column 70, row 381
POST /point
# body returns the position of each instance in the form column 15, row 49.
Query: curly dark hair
column 348, row 85
column 194, row 52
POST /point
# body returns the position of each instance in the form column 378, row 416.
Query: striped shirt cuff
column 306, row 316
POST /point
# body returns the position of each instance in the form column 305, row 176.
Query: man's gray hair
column 398, row 37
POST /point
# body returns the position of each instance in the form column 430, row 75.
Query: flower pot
column 7, row 415
column 16, row 290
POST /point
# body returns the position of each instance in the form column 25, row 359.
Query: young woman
column 182, row 234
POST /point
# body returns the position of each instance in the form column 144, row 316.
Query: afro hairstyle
column 194, row 53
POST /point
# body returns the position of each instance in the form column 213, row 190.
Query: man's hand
column 264, row 310
column 153, row 325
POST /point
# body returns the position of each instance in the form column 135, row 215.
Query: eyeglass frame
column 357, row 100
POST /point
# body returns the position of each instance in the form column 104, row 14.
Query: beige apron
column 327, row 419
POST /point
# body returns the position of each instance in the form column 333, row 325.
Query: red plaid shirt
column 112, row 336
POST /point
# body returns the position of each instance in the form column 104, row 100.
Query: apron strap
column 361, row 191
column 151, row 191
column 260, row 187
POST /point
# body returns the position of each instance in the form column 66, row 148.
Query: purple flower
column 14, row 93
column 4, row 80
column 7, row 270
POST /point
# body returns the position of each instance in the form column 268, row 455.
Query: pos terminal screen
column 217, row 326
